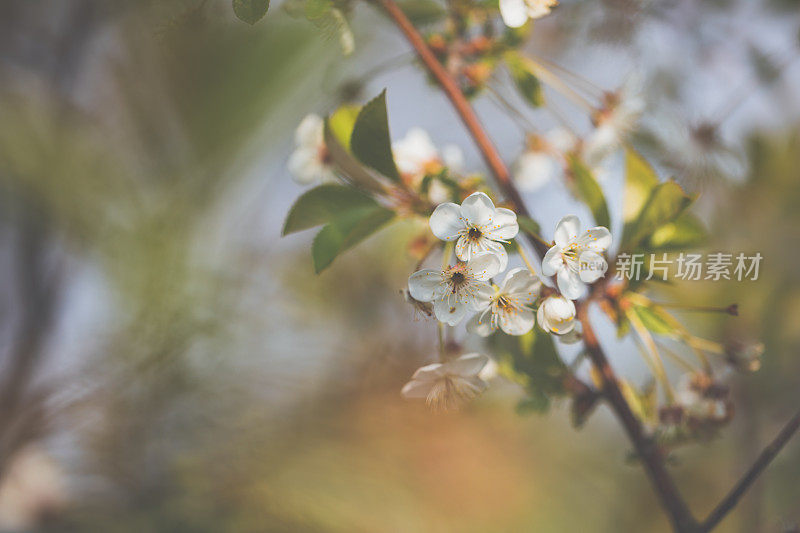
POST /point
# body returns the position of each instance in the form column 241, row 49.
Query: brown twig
column 648, row 452
column 490, row 154
column 764, row 459
column 679, row 514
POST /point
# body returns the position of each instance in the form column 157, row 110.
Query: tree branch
column 764, row 459
column 679, row 514
column 490, row 154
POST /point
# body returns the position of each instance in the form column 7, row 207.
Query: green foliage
column 370, row 141
column 341, row 123
column 524, row 78
column 349, row 215
column 422, row 12
column 640, row 179
column 345, row 231
column 528, row 225
column 534, row 363
column 654, row 213
column 684, row 232
column 589, row 191
column 250, row 11
column 644, row 403
column 655, row 319
column 323, row 204
column 665, row 203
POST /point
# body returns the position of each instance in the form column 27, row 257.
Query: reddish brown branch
column 490, row 154
column 764, row 459
column 648, row 452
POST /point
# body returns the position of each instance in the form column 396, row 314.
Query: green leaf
column 422, row 12
column 528, row 225
column 316, row 9
column 683, row 233
column 323, row 204
column 640, row 180
column 589, row 191
column 250, row 11
column 338, row 128
column 524, row 78
column 346, row 231
column 341, row 123
column 666, row 202
column 370, row 141
column 534, row 362
column 655, row 319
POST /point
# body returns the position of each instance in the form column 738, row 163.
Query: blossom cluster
column 480, row 231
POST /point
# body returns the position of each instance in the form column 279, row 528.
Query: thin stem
column 490, row 154
column 547, row 76
column 525, row 259
column 649, row 344
column 764, row 459
column 590, row 88
column 648, row 452
column 518, row 118
column 440, row 331
column 678, row 359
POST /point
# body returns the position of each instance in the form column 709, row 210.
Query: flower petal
column 552, row 261
column 423, row 284
column 477, row 209
column 498, row 250
column 542, row 318
column 429, row 372
column 570, row 284
column 467, row 365
column 535, row 170
column 503, row 225
column 518, row 323
column 485, row 266
column 449, row 312
column 522, row 284
column 596, row 239
column 417, row 389
column 514, row 12
column 592, row 266
column 481, row 324
column 309, row 132
column 446, row 221
column 303, row 166
column 482, row 294
column 464, row 248
column 566, row 230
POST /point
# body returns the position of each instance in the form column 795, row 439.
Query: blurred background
column 169, row 363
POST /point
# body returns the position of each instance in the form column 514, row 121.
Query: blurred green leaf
column 535, row 364
column 589, row 191
column 655, row 318
column 422, row 12
column 640, row 179
column 346, row 231
column 526, row 81
column 370, row 141
column 324, row 204
column 250, row 11
column 528, row 225
column 666, row 202
column 341, row 123
column 315, row 9
column 684, row 232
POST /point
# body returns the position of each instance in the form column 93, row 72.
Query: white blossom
column 576, row 258
column 416, row 156
column 447, row 385
column 544, row 160
column 476, row 225
column 508, row 307
column 515, row 13
column 556, row 314
column 458, row 289
column 614, row 121
column 697, row 396
column 310, row 162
